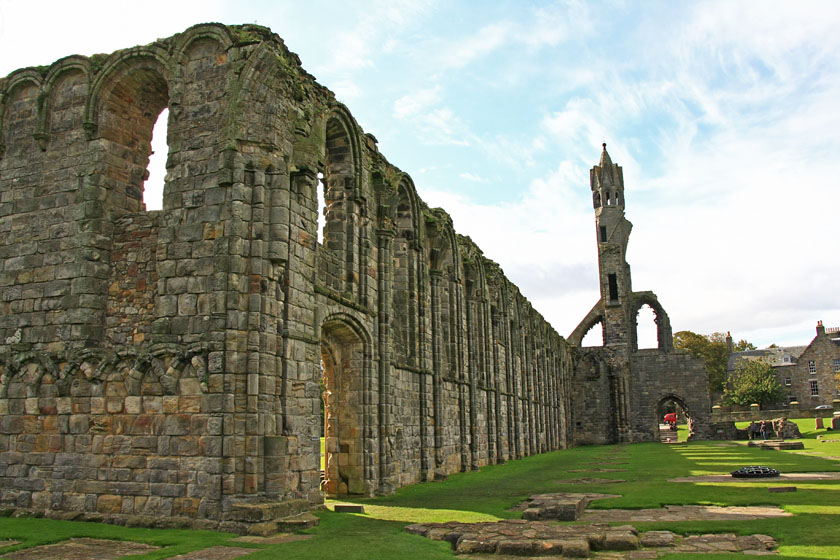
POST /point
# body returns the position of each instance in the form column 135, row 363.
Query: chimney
column 729, row 346
column 820, row 328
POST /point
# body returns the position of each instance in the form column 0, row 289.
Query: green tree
column 742, row 345
column 753, row 382
column 709, row 348
column 712, row 349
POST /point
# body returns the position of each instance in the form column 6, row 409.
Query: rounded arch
column 59, row 71
column 67, row 64
column 214, row 31
column 342, row 143
column 125, row 101
column 346, row 363
column 15, row 81
column 115, row 68
column 17, row 368
column 408, row 211
column 664, row 335
column 19, row 77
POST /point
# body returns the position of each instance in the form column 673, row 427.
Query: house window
column 603, row 230
column 812, row 366
column 815, row 390
column 836, row 365
column 791, row 399
column 786, row 359
column 787, row 381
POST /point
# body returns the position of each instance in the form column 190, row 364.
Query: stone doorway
column 345, row 361
column 669, row 432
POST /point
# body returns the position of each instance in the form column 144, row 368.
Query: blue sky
column 724, row 116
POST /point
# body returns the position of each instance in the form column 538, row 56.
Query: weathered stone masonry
column 168, row 363
column 618, row 389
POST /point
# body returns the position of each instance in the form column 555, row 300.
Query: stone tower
column 619, row 390
column 613, row 230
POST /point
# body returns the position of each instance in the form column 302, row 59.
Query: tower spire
column 605, row 157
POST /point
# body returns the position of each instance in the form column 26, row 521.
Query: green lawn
column 814, row 531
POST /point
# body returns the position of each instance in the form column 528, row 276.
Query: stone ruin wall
column 167, row 365
column 626, row 386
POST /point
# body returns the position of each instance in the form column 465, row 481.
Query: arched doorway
column 673, row 420
column 345, row 358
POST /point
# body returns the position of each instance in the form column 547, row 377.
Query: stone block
column 621, row 540
column 575, row 548
column 109, row 504
column 471, row 546
column 516, row 547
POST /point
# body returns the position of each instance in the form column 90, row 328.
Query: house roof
column 775, row 356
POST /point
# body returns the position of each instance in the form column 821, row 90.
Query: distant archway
column 668, row 428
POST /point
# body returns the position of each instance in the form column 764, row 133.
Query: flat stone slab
column 348, row 508
column 518, row 538
column 777, row 444
column 559, row 506
column 82, row 549
column 279, row 538
column 785, row 476
column 684, row 513
column 216, row 553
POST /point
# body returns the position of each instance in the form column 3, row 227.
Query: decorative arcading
column 165, row 363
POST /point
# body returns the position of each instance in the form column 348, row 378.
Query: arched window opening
column 594, row 336
column 132, row 104
column 322, row 208
column 647, row 335
column 156, row 170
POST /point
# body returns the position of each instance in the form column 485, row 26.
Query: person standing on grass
column 764, row 429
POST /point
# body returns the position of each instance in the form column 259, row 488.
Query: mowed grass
column 488, row 495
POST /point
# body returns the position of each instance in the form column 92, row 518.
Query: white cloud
column 543, row 241
column 471, row 177
column 415, row 102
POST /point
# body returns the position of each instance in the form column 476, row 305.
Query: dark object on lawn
column 755, row 472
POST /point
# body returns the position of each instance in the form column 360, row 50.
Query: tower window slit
column 613, row 281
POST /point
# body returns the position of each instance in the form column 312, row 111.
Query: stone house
column 808, row 374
